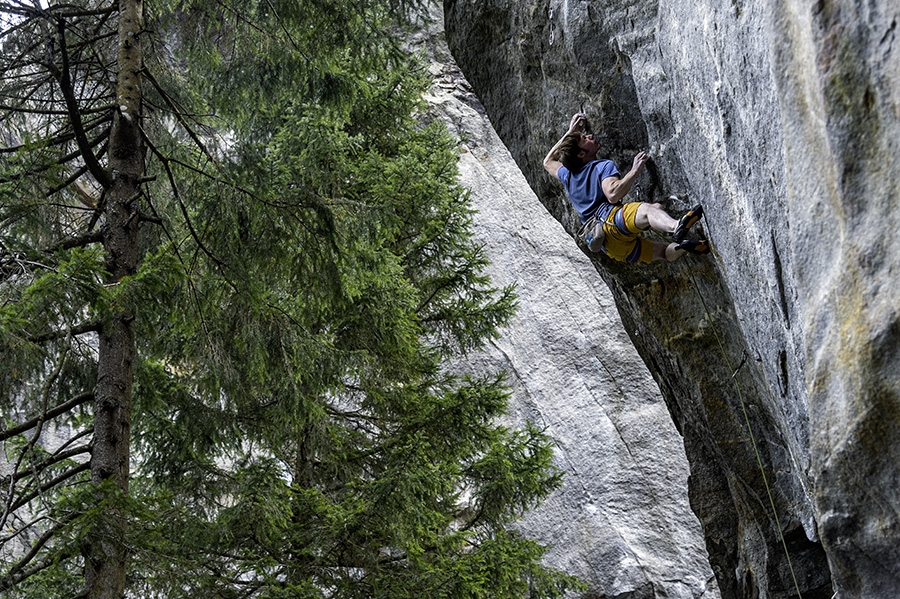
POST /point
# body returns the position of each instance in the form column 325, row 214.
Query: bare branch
column 64, row 77
column 49, row 112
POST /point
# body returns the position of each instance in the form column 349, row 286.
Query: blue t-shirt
column 584, row 187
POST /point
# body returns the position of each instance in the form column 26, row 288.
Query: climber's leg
column 652, row 216
column 666, row 251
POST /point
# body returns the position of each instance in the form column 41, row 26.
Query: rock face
column 622, row 521
column 777, row 356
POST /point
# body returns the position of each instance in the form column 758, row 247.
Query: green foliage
column 306, row 268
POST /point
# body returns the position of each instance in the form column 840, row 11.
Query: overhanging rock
column 782, row 119
column 622, row 520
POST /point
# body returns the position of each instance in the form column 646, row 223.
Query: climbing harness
column 591, row 234
column 747, row 421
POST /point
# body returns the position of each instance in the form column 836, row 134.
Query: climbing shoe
column 686, row 222
column 694, row 246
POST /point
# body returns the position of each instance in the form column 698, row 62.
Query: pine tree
column 234, row 264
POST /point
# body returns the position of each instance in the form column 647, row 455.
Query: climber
column 596, row 189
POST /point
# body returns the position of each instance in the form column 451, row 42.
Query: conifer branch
column 170, row 160
column 67, row 11
column 49, row 415
column 84, row 197
column 45, row 396
column 61, row 138
column 179, row 116
column 26, row 526
column 8, row 582
column 241, row 18
column 24, row 500
column 195, row 295
column 74, row 331
column 49, row 112
column 38, row 545
column 20, row 9
column 79, row 172
column 446, row 283
column 34, row 10
column 56, row 458
column 284, row 30
column 74, row 439
column 174, row 185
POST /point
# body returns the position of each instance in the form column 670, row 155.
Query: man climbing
column 596, row 189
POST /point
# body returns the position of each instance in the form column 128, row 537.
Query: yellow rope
column 749, row 429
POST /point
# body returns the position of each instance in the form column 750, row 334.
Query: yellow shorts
column 622, row 236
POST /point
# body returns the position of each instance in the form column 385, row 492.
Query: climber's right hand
column 579, row 121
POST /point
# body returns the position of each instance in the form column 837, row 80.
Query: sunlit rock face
column 777, row 355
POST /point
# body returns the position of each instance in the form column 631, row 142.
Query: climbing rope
column 740, row 394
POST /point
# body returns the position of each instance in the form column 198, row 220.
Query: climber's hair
column 569, row 151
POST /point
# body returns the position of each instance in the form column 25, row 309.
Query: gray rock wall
column 622, row 520
column 781, row 116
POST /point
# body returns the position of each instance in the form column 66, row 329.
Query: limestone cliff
column 780, row 349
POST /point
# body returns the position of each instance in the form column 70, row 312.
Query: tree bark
column 105, row 549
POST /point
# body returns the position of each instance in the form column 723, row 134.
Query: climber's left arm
column 615, row 188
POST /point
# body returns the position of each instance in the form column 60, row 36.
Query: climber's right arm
column 551, row 164
column 551, row 161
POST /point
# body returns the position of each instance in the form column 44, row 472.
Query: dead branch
column 64, row 78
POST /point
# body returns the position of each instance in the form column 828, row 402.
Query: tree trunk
column 106, row 551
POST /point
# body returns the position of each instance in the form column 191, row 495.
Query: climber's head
column 577, row 149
